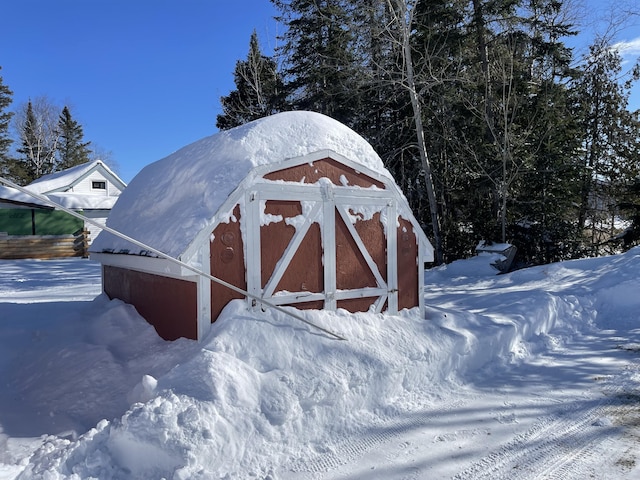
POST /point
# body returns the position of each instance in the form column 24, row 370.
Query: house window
column 99, row 185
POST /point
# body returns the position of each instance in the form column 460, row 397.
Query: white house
column 91, row 187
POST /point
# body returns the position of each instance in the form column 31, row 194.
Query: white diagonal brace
column 290, row 251
column 365, row 253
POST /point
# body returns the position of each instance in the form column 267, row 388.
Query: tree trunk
column 407, row 16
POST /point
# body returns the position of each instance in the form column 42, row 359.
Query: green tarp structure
column 30, row 221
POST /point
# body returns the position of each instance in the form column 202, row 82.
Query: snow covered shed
column 296, row 209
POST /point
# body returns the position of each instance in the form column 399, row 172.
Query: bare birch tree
column 402, row 18
column 37, row 125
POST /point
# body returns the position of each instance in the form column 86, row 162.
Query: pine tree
column 259, row 90
column 31, row 166
column 610, row 150
column 72, row 150
column 630, row 207
column 319, row 70
column 5, row 118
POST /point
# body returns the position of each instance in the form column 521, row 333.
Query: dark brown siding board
column 276, row 236
column 326, row 168
column 227, row 263
column 305, row 272
column 407, row 266
column 169, row 304
column 352, row 270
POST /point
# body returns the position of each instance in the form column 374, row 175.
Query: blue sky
column 143, row 77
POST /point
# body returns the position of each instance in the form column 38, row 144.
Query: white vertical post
column 204, row 290
column 254, row 263
column 392, row 255
column 328, row 226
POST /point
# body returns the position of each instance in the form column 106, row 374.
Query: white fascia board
column 426, row 248
column 153, row 265
column 106, row 173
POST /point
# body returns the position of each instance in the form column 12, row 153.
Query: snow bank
column 171, row 200
column 264, row 395
column 262, row 390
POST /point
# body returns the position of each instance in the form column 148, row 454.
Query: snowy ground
column 531, row 375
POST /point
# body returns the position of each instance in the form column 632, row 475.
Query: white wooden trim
column 288, row 191
column 360, row 293
column 204, row 293
column 153, row 265
column 379, row 304
column 329, row 245
column 301, row 297
column 392, row 257
column 296, row 297
column 253, row 256
column 421, row 259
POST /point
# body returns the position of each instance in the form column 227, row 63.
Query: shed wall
column 169, row 304
column 227, row 263
column 408, row 282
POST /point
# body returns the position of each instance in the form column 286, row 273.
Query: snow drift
column 265, row 397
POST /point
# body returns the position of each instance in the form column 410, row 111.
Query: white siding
column 86, row 186
column 99, row 216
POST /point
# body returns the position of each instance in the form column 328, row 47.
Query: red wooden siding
column 407, row 266
column 170, row 305
column 227, row 263
column 326, row 168
column 305, row 269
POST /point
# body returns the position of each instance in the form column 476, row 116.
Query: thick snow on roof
column 64, row 178
column 83, row 201
column 12, row 195
column 171, row 200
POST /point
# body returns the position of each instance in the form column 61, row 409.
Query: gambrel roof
column 172, row 200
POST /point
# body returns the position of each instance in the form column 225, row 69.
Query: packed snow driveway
column 530, row 375
column 545, row 382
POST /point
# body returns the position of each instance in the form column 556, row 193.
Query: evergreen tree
column 630, row 207
column 546, row 192
column 497, row 108
column 72, row 150
column 5, row 118
column 610, row 144
column 320, row 73
column 259, row 90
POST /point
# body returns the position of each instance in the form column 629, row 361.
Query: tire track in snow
column 349, row 449
column 555, row 447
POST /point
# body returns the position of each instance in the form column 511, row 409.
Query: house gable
column 80, row 179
